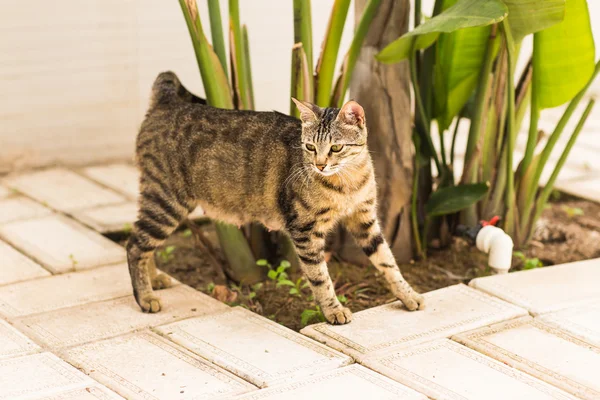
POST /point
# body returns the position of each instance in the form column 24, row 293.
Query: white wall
column 75, row 75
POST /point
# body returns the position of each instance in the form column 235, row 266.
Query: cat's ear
column 352, row 114
column 308, row 111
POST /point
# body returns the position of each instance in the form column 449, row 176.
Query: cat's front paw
column 411, row 299
column 161, row 281
column 149, row 303
column 338, row 315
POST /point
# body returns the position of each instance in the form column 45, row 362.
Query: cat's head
column 333, row 139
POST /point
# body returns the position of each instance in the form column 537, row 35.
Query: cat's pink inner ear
column 306, row 112
column 352, row 113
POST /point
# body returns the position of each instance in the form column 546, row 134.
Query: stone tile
column 66, row 290
column 4, row 192
column 144, row 365
column 63, row 190
column 38, row 375
column 582, row 322
column 112, row 218
column 90, row 392
column 547, row 289
column 349, row 383
column 100, row 320
column 448, row 311
column 252, row 347
column 15, row 267
column 122, row 178
column 443, row 369
column 13, row 343
column 549, row 354
column 61, row 244
column 19, row 207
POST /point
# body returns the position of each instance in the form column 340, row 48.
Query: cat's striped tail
column 168, row 88
column 165, row 88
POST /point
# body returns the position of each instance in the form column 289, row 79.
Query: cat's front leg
column 364, row 226
column 310, row 247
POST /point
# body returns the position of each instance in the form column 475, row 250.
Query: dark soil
column 570, row 232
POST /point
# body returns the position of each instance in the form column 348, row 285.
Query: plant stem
column 426, row 134
column 414, row 195
column 303, row 30
column 238, row 54
column 510, row 129
column 545, row 194
column 454, row 138
column 552, row 142
column 248, row 70
column 216, row 32
column 442, row 147
column 533, row 126
column 481, row 101
column 418, row 12
column 326, row 64
column 350, row 60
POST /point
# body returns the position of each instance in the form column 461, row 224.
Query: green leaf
column 286, row 282
column 294, row 291
column 307, row 316
column 463, row 14
column 272, row 275
column 342, row 299
column 262, row 262
column 285, row 264
column 251, row 295
column 455, row 198
column 563, row 57
column 530, row 16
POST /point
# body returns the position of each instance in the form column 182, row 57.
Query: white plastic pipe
column 493, row 241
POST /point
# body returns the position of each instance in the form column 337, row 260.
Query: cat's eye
column 310, row 147
column 337, row 148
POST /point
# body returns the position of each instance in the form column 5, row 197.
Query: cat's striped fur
column 243, row 166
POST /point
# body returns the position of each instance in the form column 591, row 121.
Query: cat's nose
column 321, row 166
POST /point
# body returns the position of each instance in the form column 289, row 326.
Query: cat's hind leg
column 160, row 213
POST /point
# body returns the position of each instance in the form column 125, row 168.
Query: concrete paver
column 15, row 267
column 63, row 190
column 66, row 290
column 582, row 322
column 4, row 192
column 61, row 244
column 122, row 178
column 353, row 382
column 90, row 392
column 443, row 369
column 144, row 365
column 111, row 218
column 13, row 343
column 38, row 376
column 104, row 319
column 16, row 208
column 448, row 311
column 253, row 347
column 543, row 290
column 549, row 354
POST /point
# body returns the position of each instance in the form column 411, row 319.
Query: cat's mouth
column 326, row 172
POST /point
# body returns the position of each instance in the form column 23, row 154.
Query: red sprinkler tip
column 492, row 221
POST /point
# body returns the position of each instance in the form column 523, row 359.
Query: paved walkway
column 70, row 329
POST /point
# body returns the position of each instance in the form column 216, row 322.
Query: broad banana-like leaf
column 452, row 199
column 563, row 57
column 530, row 16
column 463, row 14
column 460, row 55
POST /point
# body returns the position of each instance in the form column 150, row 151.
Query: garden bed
column 571, row 232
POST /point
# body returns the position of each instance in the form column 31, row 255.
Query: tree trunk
column 384, row 92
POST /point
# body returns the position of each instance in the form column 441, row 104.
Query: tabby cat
column 241, row 166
